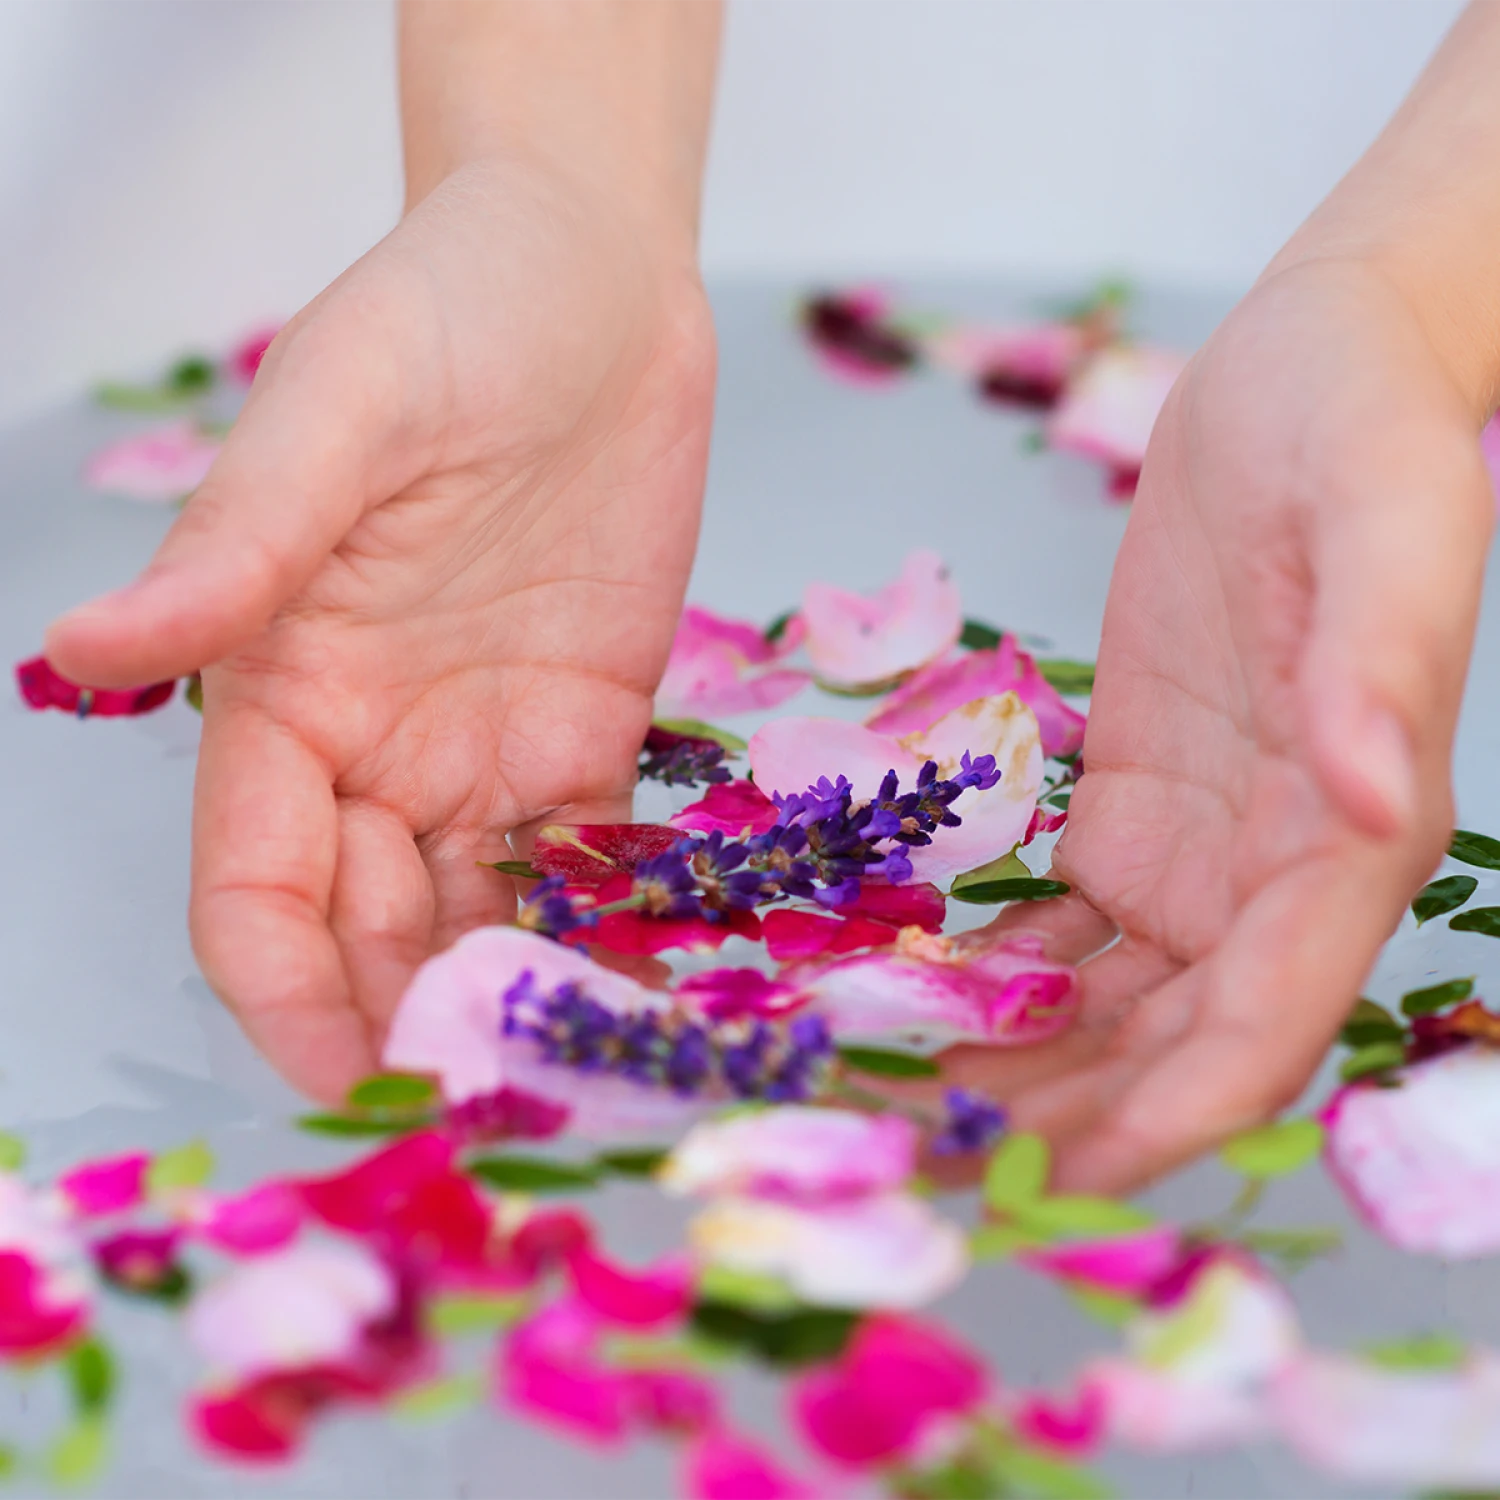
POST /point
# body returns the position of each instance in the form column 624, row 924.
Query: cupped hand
column 1268, row 752
column 433, row 579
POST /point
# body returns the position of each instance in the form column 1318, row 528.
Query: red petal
column 632, row 1299
column 589, row 853
column 792, row 935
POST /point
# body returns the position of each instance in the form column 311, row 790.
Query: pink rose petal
column 732, row 808
column 109, row 1186
column 163, row 464
column 1110, row 407
column 719, row 666
column 724, row 1466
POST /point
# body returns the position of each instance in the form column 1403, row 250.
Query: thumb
column 1399, row 566
column 298, row 469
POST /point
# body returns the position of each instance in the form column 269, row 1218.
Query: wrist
column 611, row 96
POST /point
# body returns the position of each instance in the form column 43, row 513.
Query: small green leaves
column 1008, row 867
column 801, row 1337
column 698, row 730
column 1442, row 896
column 978, row 636
column 90, row 1369
column 1368, row 1023
column 1378, row 1057
column 1017, row 1172
column 1475, row 849
column 187, row 1166
column 12, row 1152
column 455, row 1314
column 192, row 691
column 1436, row 997
column 354, row 1126
column 533, row 1174
column 394, row 1093
column 777, row 628
column 1423, row 1351
column 518, row 869
column 439, row 1398
column 1074, row 679
column 754, row 1291
column 77, row 1456
column 1274, row 1150
column 1077, row 1216
column 886, row 1064
column 644, row 1163
column 1109, row 1308
column 1481, row 919
column 993, row 892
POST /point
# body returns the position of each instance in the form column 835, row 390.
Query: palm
column 1212, row 829
column 478, row 651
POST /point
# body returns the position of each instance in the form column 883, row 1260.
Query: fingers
column 300, row 466
column 1400, row 568
column 265, row 834
column 1233, row 1040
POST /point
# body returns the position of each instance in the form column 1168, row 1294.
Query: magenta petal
column 1127, row 1264
column 632, row 1299
column 1073, row 1428
column 264, row 1218
column 244, row 360
column 549, row 1371
column 725, row 1466
column 731, row 808
column 720, row 666
column 42, row 687
column 732, row 994
column 107, row 1187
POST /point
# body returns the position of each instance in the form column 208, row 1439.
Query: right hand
column 433, row 579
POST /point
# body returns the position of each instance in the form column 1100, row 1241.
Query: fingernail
column 1383, row 756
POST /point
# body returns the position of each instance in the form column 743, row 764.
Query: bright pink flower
column 732, row 808
column 360, row 1199
column 676, row 1402
column 856, row 640
column 165, row 463
column 1110, row 407
column 1127, row 1264
column 244, row 359
column 730, row 994
column 792, row 936
column 548, row 1239
column 721, row 1465
column 632, row 1299
column 1422, row 1162
column 107, row 1187
column 945, row 685
column 796, row 1153
column 789, row 755
column 36, row 1315
column 1044, row 823
column 720, row 666
column 41, row 687
column 266, row 1217
column 1007, row 994
column 589, row 854
column 1435, row 1429
column 871, row 1405
column 1024, row 366
column 309, row 1304
column 1073, row 1427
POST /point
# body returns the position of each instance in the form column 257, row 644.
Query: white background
column 174, row 170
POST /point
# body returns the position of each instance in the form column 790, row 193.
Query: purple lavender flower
column 682, row 759
column 668, row 883
column 971, row 1123
column 550, row 911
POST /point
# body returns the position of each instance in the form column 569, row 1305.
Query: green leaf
column 1008, row 867
column 1436, row 997
column 1001, row 1241
column 1078, row 1216
column 1017, row 1172
column 755, row 1291
column 805, row 1336
column 191, row 376
column 10, row 1461
column 885, row 1064
column 76, row 1457
column 192, row 691
column 1378, row 1057
column 519, row 868
column 1483, row 919
column 777, row 628
column 533, row 1174
column 1035, row 1475
column 646, row 1162
column 978, row 636
column 1442, row 896
column 357, row 1125
column 1109, row 1308
column 1368, row 1023
column 1274, row 1150
column 455, row 1314
column 1074, row 679
column 1475, row 849
column 1059, row 799
column 959, row 1479
column 698, row 730
column 12, row 1152
column 394, row 1093
column 993, row 892
column 1423, row 1351
column 91, row 1376
column 1294, row 1247
column 187, row 1166
column 439, row 1398
column 120, row 395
